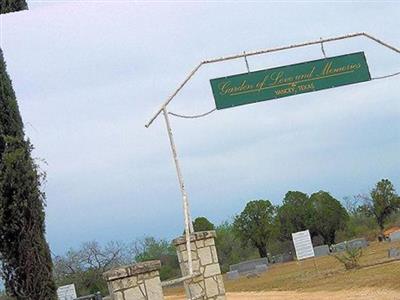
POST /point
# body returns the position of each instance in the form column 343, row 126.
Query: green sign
column 290, row 80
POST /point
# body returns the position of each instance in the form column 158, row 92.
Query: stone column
column 208, row 284
column 140, row 281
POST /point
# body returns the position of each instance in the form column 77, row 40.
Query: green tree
column 256, row 225
column 384, row 201
column 12, row 5
column 202, row 224
column 150, row 248
column 24, row 253
column 10, row 118
column 295, row 214
column 361, row 221
column 230, row 250
column 329, row 216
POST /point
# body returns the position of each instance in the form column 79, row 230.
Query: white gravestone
column 66, row 292
column 303, row 245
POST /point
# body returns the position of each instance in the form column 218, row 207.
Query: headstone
column 352, row 244
column 339, row 247
column 248, row 266
column 303, row 245
column 261, row 269
column 321, row 250
column 287, row 257
column 358, row 243
column 276, row 259
column 394, row 252
column 66, row 292
column 394, row 236
column 281, row 258
column 233, row 275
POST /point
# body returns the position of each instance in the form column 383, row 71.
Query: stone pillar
column 208, row 284
column 140, row 281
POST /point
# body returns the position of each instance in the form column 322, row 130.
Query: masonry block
column 208, row 285
column 135, row 282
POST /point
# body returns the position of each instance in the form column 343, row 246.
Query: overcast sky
column 89, row 74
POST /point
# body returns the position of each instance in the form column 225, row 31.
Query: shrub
column 350, row 258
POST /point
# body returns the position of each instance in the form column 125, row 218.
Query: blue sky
column 89, row 74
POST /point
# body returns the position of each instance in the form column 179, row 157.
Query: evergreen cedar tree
column 7, row 6
column 202, row 224
column 256, row 224
column 321, row 213
column 295, row 214
column 261, row 222
column 26, row 264
column 329, row 216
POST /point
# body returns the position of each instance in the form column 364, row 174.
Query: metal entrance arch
column 164, row 111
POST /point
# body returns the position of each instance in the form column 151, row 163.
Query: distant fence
column 96, row 296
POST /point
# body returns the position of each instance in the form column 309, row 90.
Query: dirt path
column 365, row 294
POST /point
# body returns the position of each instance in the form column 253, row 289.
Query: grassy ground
column 323, row 274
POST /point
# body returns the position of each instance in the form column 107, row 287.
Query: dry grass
column 365, row 294
column 377, row 273
column 329, row 275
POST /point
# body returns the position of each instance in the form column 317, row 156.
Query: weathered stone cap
column 196, row 236
column 132, row 270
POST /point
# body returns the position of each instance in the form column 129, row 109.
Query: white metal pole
column 188, row 222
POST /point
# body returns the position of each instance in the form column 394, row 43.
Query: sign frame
column 66, row 292
column 290, row 80
column 303, row 245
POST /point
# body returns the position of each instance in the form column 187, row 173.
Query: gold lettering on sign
column 262, row 84
column 294, row 89
column 227, row 88
column 330, row 70
column 305, row 76
column 290, row 83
